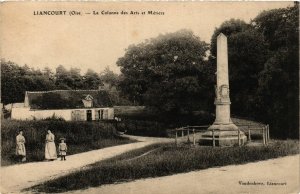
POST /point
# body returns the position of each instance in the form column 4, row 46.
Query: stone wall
column 66, row 114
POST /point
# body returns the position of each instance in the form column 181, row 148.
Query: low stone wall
column 27, row 114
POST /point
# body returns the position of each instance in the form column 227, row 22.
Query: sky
column 89, row 41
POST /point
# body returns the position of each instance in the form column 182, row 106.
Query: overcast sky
column 96, row 41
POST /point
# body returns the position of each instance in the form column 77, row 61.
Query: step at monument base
column 223, row 138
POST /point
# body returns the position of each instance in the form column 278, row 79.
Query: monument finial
column 221, row 34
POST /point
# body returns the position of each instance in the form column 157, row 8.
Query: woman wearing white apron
column 20, row 147
column 50, row 148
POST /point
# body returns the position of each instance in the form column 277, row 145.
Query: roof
column 67, row 99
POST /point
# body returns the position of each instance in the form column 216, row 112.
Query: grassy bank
column 81, row 137
column 152, row 124
column 162, row 160
column 147, row 123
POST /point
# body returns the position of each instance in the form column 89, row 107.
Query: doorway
column 89, row 115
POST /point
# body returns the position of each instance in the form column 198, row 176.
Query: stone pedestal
column 223, row 137
column 225, row 131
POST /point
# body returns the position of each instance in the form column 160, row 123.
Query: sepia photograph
column 152, row 97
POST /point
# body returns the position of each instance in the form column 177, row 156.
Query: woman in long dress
column 50, row 148
column 20, row 147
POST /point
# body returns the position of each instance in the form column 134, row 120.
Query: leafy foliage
column 279, row 80
column 15, row 80
column 168, row 72
column 263, row 65
column 111, row 83
column 232, row 26
column 109, row 77
column 247, row 53
column 80, row 137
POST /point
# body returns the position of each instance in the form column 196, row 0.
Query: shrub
column 54, row 117
column 80, row 137
column 157, row 125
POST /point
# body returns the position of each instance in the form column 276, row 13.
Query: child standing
column 62, row 149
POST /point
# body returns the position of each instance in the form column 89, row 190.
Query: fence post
column 188, row 134
column 239, row 137
column 263, row 135
column 249, row 134
column 263, row 130
column 194, row 140
column 268, row 132
column 213, row 135
column 125, row 123
column 182, row 132
column 266, row 140
column 176, row 137
column 266, row 135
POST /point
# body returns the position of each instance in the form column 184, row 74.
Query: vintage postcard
column 150, row 97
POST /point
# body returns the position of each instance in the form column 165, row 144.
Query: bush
column 80, row 137
column 157, row 125
column 54, row 118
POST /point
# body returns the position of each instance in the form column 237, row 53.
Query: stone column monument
column 225, row 131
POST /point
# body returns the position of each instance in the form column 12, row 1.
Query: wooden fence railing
column 264, row 129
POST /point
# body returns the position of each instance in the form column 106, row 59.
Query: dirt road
column 228, row 179
column 17, row 177
column 215, row 180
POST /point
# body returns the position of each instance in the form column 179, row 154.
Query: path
column 217, row 180
column 17, row 177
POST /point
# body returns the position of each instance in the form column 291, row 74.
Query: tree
column 75, row 79
column 48, row 73
column 280, row 27
column 15, row 80
column 279, row 81
column 232, row 26
column 264, row 66
column 168, row 72
column 62, row 79
column 71, row 79
column 91, row 80
column 109, row 77
column 10, row 89
column 247, row 54
column 111, row 81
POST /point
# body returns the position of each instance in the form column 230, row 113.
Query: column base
column 224, row 135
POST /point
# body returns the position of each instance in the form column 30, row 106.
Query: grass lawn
column 162, row 160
